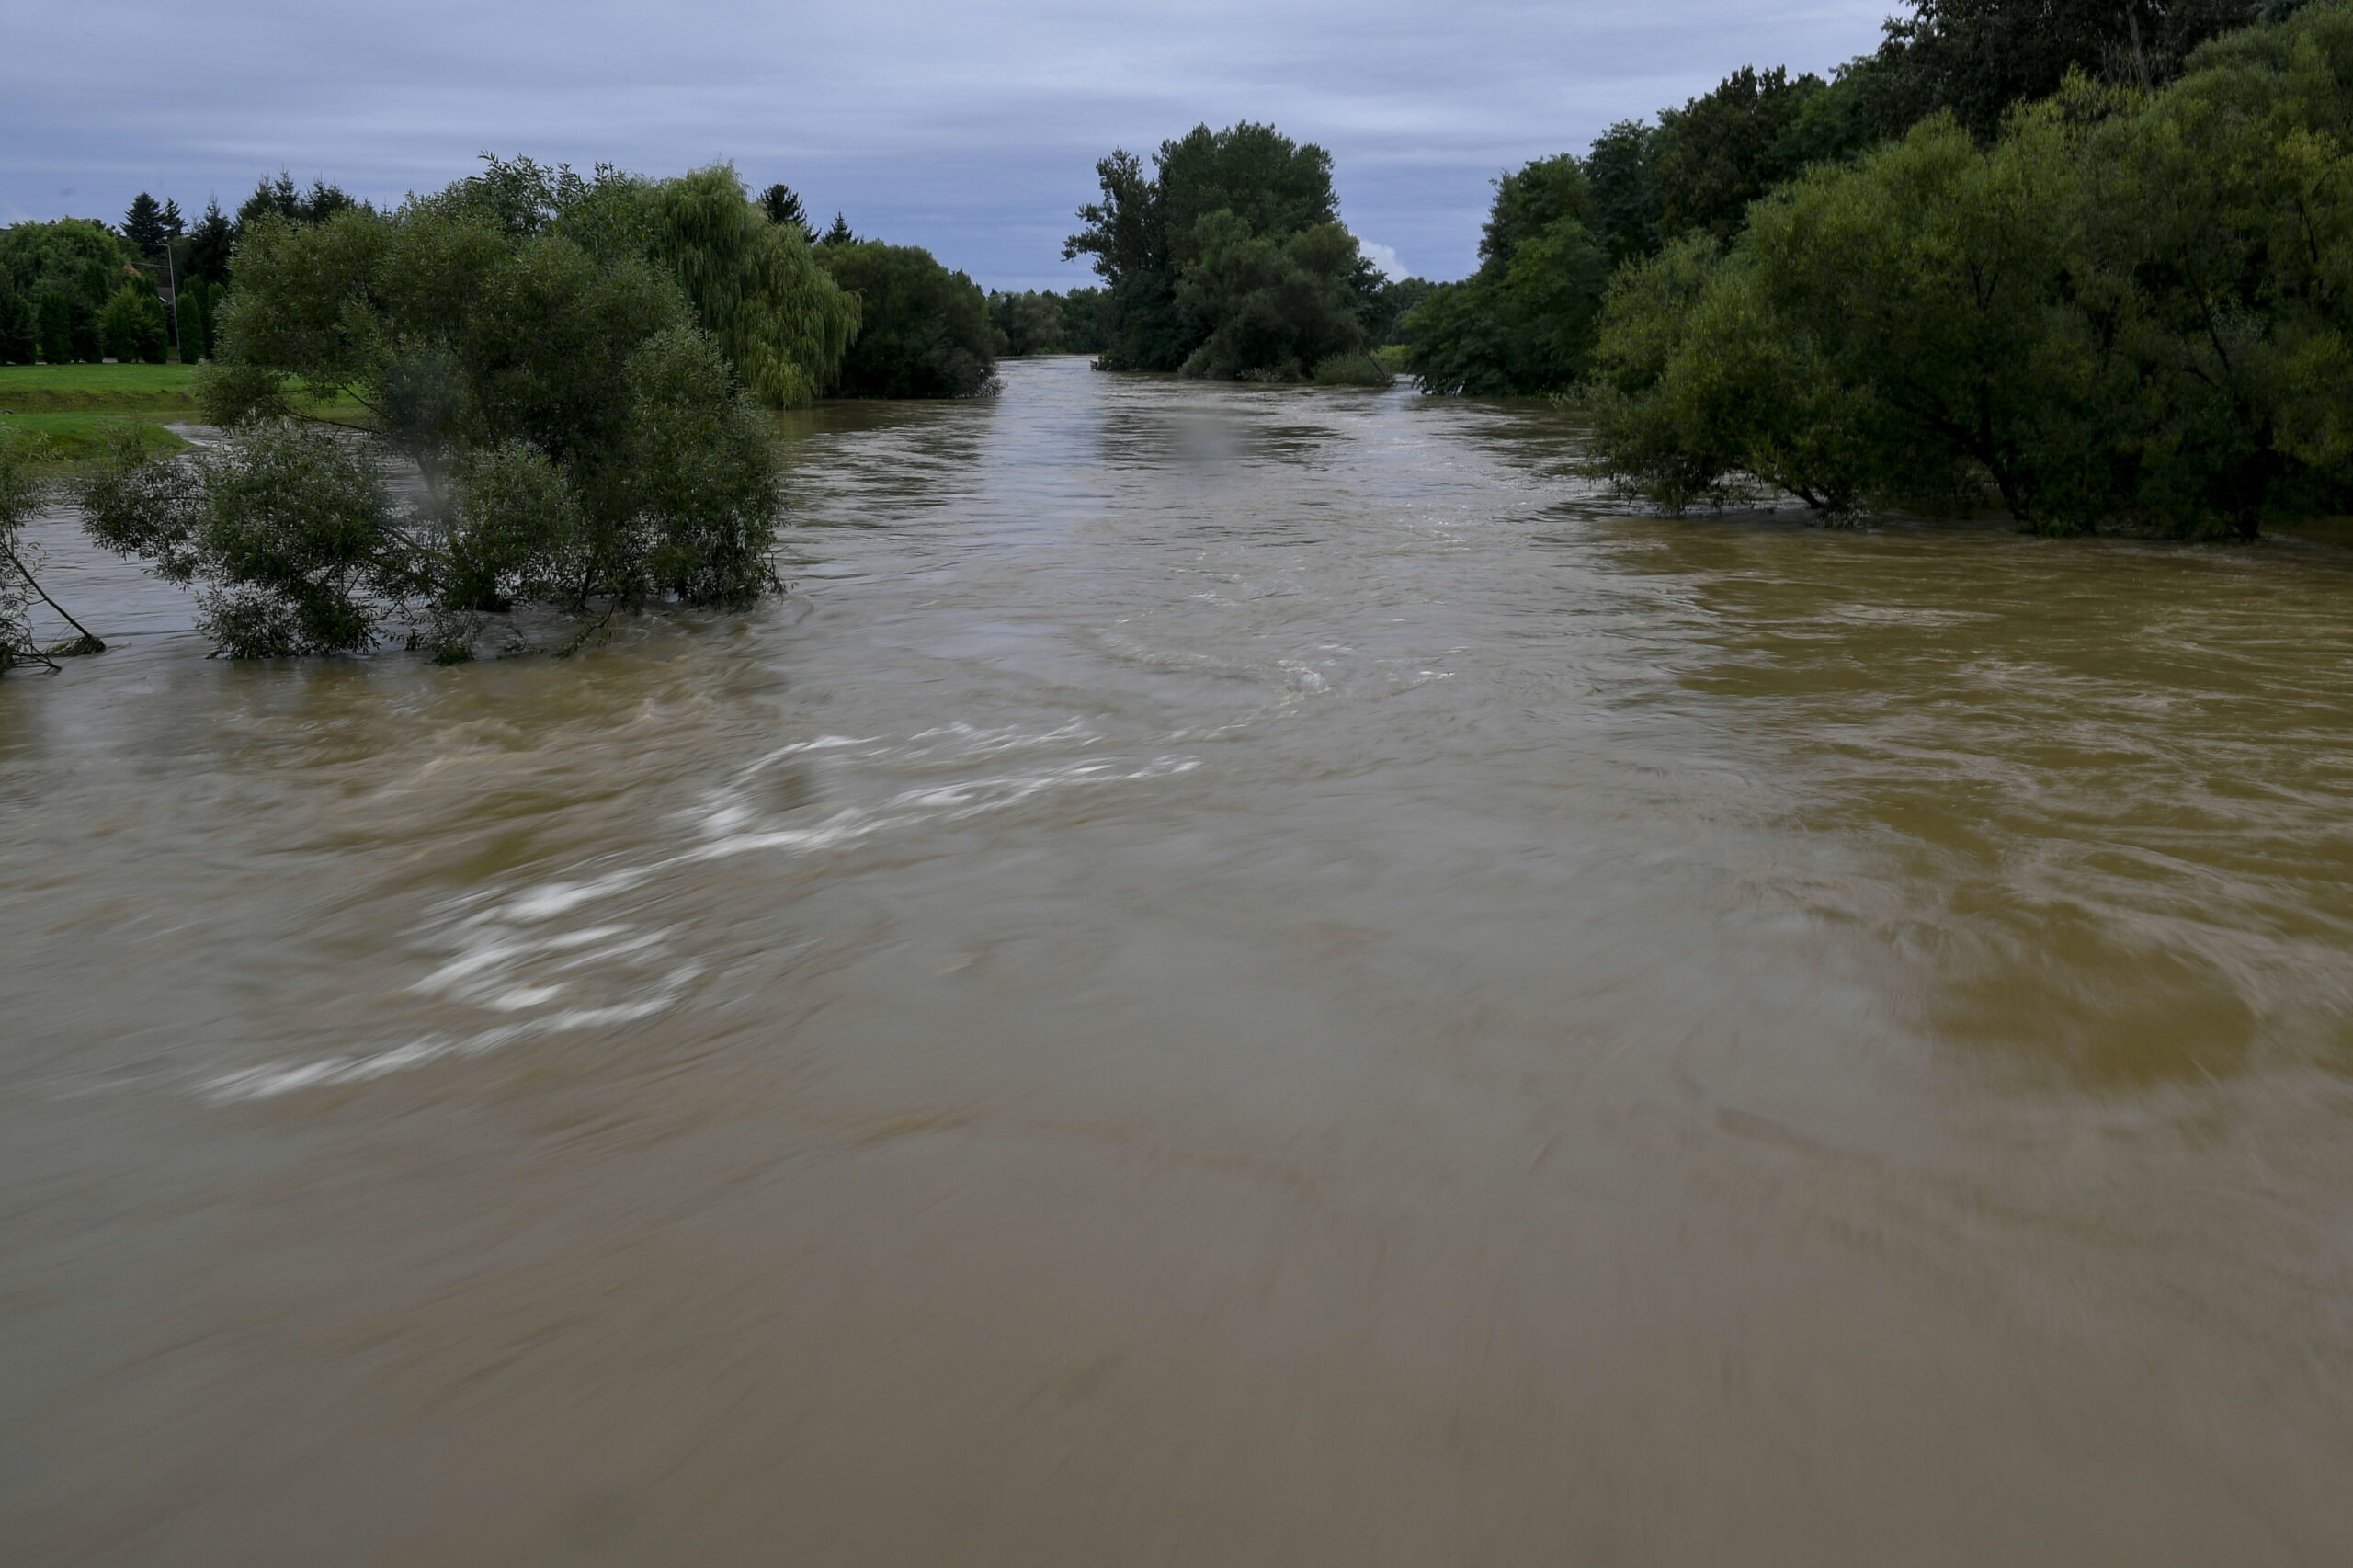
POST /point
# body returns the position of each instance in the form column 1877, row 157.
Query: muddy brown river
column 1236, row 977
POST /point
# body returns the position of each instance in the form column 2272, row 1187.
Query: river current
column 1234, row 977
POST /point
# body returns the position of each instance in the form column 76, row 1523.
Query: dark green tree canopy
column 1524, row 322
column 2128, row 310
column 923, row 330
column 279, row 197
column 783, row 206
column 143, row 226
column 1977, row 58
column 1025, row 323
column 209, row 247
column 1152, row 232
column 1721, row 151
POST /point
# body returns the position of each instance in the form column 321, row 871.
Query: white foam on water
column 503, row 958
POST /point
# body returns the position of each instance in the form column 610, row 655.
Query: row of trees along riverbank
column 2091, row 263
column 573, row 365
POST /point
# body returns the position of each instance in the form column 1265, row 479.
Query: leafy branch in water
column 21, row 493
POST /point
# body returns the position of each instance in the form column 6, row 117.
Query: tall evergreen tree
column 187, row 316
column 839, row 234
column 143, row 225
column 210, row 246
column 783, row 206
column 174, row 225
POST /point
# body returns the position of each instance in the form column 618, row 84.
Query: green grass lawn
column 77, row 438
column 57, row 388
column 72, row 406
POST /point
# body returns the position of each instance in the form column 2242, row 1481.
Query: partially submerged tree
column 2129, row 310
column 563, row 360
column 21, row 494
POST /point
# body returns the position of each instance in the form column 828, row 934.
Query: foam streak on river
column 1237, row 977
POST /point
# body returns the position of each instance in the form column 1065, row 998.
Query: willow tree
column 753, row 283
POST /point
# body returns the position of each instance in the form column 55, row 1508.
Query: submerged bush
column 288, row 529
column 582, row 428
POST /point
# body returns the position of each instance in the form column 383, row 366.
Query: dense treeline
column 2128, row 310
column 75, row 291
column 2084, row 262
column 1040, row 321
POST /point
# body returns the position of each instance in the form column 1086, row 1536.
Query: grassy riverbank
column 74, row 406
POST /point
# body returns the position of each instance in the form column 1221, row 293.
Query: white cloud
column 1383, row 258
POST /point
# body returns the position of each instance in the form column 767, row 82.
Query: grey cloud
column 972, row 130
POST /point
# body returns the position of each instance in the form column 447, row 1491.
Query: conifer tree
column 143, row 225
column 839, row 234
column 188, row 315
column 211, row 244
column 783, row 206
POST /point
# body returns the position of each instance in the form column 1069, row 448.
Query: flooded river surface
column 1236, row 977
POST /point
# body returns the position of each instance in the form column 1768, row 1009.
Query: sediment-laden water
column 1237, row 977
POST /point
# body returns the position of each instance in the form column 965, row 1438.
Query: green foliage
column 1025, row 323
column 19, row 335
column 924, row 331
column 541, row 348
column 1085, row 328
column 280, row 199
column 288, row 528
column 1525, row 322
column 132, row 328
column 1620, row 175
column 839, row 234
column 1269, row 307
column 1351, row 371
column 210, row 246
column 21, row 496
column 1244, row 193
column 81, row 262
column 53, row 326
column 754, row 282
column 1977, row 59
column 143, row 225
column 1719, row 152
column 187, row 321
column 2127, row 312
column 782, row 206
column 1393, row 302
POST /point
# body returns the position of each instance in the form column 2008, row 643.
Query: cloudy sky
column 969, row 127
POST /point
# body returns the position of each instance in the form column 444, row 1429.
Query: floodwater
column 1237, row 977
